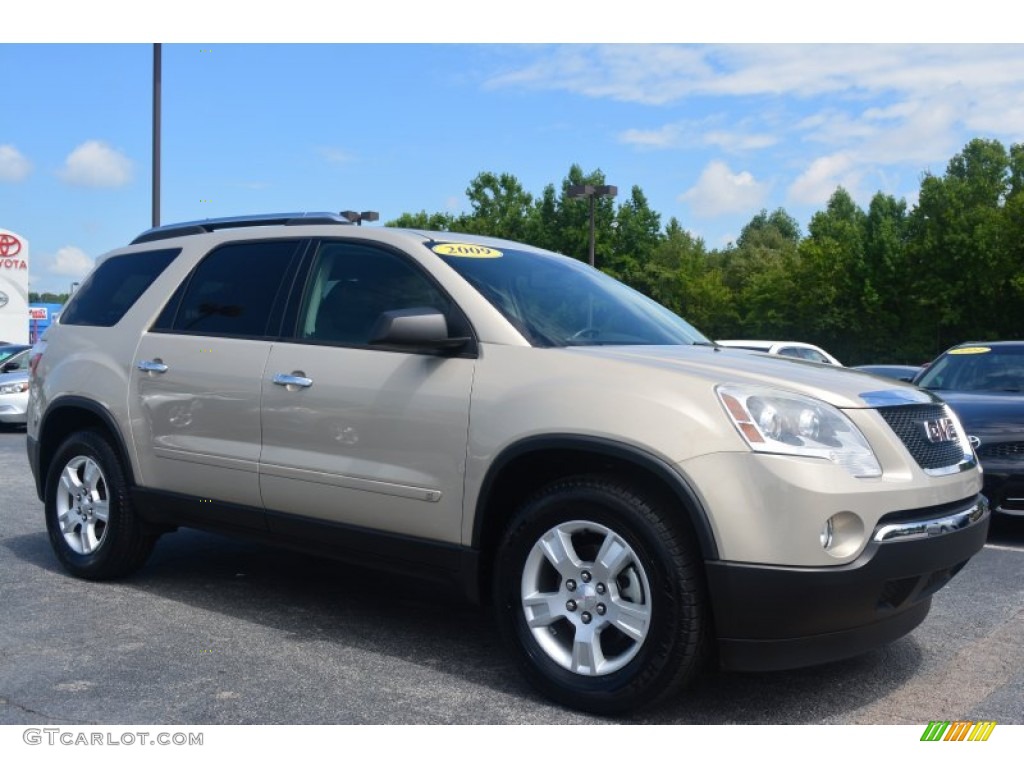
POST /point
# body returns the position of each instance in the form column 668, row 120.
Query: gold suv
column 635, row 501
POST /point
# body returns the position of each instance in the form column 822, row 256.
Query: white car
column 797, row 349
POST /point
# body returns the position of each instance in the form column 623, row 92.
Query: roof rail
column 259, row 220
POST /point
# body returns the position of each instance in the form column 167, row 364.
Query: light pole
column 590, row 191
column 157, row 85
column 358, row 218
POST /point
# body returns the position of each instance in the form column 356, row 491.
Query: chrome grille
column 906, row 421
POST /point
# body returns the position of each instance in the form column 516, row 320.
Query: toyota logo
column 9, row 245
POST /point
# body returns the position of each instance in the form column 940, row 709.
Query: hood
column 838, row 386
column 990, row 416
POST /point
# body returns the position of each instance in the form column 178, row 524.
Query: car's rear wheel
column 90, row 516
column 599, row 591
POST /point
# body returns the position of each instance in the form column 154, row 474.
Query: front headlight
column 13, row 389
column 776, row 421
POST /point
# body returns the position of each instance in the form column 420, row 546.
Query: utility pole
column 157, row 75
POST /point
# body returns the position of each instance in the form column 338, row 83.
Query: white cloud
column 732, row 141
column 14, row 166
column 816, row 185
column 70, row 261
column 96, row 164
column 647, row 74
column 335, row 156
column 696, row 134
column 884, row 105
column 662, row 74
column 719, row 191
column 656, row 138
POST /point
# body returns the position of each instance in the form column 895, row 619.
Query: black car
column 984, row 384
column 898, row 372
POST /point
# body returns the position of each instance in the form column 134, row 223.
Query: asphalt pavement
column 220, row 631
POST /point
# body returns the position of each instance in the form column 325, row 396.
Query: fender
column 39, row 453
column 678, row 483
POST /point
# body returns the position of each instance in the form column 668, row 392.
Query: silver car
column 14, row 388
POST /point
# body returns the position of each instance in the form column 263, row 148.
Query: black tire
column 86, row 474
column 661, row 576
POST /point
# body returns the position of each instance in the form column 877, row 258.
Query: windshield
column 976, row 369
column 555, row 301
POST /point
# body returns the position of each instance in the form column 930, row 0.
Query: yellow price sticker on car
column 970, row 351
column 466, row 251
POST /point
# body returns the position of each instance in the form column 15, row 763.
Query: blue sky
column 712, row 133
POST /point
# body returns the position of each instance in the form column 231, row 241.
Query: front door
column 356, row 434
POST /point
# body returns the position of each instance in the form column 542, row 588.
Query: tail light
column 34, row 357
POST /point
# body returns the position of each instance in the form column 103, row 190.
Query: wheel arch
column 525, row 466
column 67, row 415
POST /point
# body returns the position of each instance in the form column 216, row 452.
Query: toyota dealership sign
column 13, row 288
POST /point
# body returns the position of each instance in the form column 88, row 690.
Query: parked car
column 14, row 388
column 633, row 500
column 984, row 383
column 797, row 349
column 9, row 350
column 898, row 372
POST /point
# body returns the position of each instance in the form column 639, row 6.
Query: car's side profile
column 633, row 500
column 799, row 350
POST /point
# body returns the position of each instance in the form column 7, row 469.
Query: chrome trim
column 968, row 462
column 152, row 366
column 937, row 526
column 903, row 396
column 291, row 380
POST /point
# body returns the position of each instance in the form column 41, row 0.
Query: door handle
column 155, row 365
column 292, row 380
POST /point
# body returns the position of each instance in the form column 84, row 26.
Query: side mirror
column 418, row 328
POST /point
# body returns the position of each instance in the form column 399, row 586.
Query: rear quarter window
column 114, row 287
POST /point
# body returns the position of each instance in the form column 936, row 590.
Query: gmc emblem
column 940, row 430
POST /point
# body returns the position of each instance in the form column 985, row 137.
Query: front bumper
column 1004, row 488
column 12, row 414
column 771, row 617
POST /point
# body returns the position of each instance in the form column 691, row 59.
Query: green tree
column 433, row 222
column 636, row 233
column 883, row 296
column 683, row 276
column 960, row 254
column 47, row 298
column 572, row 220
column 759, row 272
column 500, row 207
column 833, row 273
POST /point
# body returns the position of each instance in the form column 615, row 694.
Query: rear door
column 194, row 397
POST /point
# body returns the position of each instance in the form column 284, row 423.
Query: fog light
column 826, row 534
column 842, row 535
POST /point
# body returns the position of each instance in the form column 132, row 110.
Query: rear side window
column 232, row 292
column 114, row 286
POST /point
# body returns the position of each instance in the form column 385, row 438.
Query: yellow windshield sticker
column 970, row 351
column 466, row 251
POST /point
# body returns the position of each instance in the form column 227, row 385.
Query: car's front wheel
column 599, row 591
column 90, row 516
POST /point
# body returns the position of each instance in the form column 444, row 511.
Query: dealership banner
column 13, row 288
